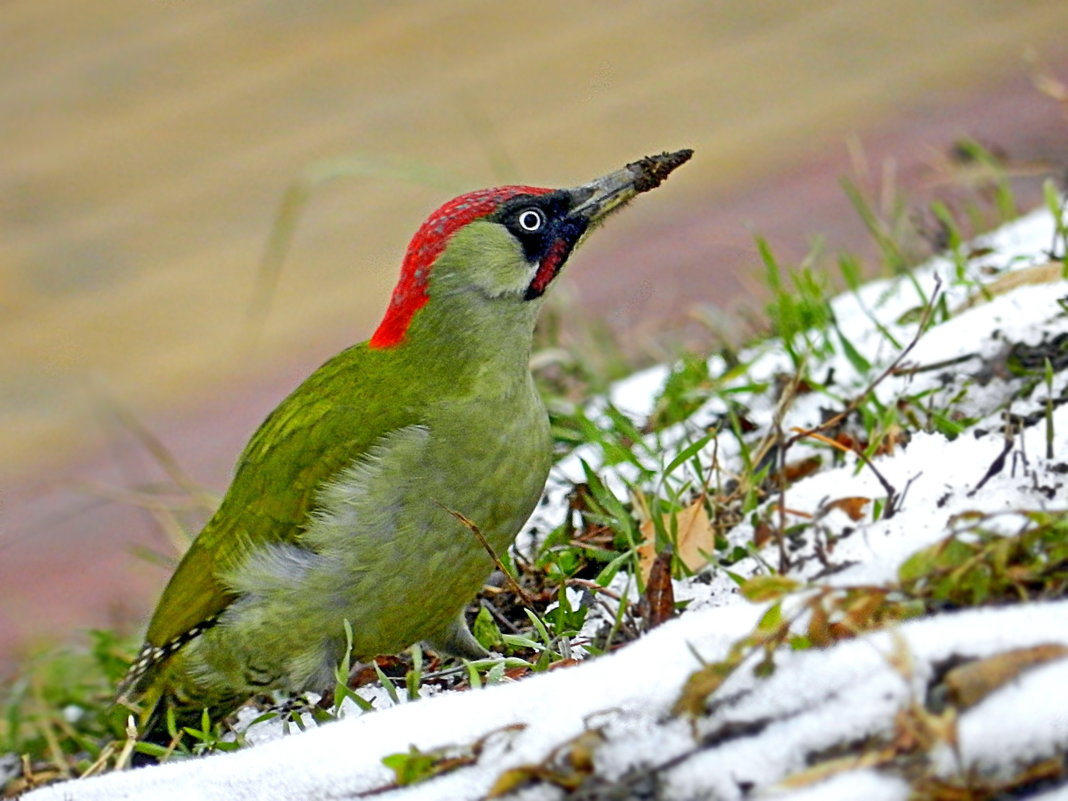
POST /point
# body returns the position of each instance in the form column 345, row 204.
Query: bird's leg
column 457, row 640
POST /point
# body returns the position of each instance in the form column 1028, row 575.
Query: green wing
column 326, row 423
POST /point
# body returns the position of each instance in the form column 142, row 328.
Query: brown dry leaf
column 566, row 767
column 658, row 603
column 583, row 748
column 852, row 505
column 795, row 471
column 514, row 778
column 819, row 626
column 696, row 537
column 559, row 664
column 700, row 685
column 860, row 610
column 763, row 534
column 822, row 771
column 1039, row 274
column 846, row 442
column 970, row 683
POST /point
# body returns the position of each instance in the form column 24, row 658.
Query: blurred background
column 146, row 147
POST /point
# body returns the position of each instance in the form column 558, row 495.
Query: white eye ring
column 531, row 220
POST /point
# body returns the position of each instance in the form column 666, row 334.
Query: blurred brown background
column 145, row 146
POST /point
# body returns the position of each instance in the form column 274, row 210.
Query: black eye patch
column 520, row 216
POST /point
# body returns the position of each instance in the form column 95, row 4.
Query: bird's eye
column 531, row 220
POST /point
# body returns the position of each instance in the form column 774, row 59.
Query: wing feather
column 320, row 429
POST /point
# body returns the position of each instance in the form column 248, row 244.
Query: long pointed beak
column 599, row 198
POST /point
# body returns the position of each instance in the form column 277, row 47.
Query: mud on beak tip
column 652, row 171
column 609, row 192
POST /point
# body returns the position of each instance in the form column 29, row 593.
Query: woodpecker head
column 510, row 241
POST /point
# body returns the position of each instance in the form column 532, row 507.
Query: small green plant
column 342, row 692
column 413, row 766
column 1058, row 209
column 688, row 386
column 799, row 309
column 210, row 737
column 977, row 565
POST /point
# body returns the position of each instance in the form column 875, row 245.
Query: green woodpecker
column 341, row 506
